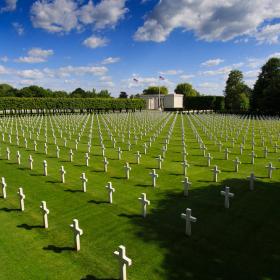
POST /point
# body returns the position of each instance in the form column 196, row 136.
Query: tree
column 78, row 93
column 237, row 93
column 6, row 90
column 186, row 89
column 155, row 90
column 123, row 94
column 266, row 92
column 104, row 93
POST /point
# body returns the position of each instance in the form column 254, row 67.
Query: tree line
column 263, row 98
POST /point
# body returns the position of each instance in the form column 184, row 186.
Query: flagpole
column 159, row 105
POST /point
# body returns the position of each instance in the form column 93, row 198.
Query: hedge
column 216, row 103
column 14, row 103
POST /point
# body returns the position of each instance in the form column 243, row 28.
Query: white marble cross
column 45, row 212
column 110, row 189
column 45, row 165
column 220, row 146
column 159, row 160
column 87, row 157
column 270, row 168
column 227, row 194
column 21, row 198
column 138, row 156
column 189, row 219
column 46, row 148
column 71, row 154
column 30, row 159
column 226, row 153
column 35, row 146
column 253, row 156
column 236, row 164
column 62, row 174
column 216, row 171
column 4, row 187
column 144, row 203
column 77, row 234
column 203, row 148
column 145, row 148
column 8, row 153
column 187, row 185
column 124, row 261
column 185, row 166
column 241, row 148
column 119, row 153
column 105, row 162
column 209, row 158
column 154, row 177
column 127, row 170
column 265, row 152
column 18, row 158
column 84, row 182
column 252, row 178
column 57, row 152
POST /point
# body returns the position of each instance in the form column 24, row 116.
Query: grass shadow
column 9, row 209
column 91, row 277
column 73, row 191
column 130, row 216
column 236, row 243
column 29, row 227
column 57, row 249
column 97, row 202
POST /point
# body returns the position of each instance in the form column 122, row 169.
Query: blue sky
column 65, row 44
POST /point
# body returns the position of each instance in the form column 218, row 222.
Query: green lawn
column 237, row 243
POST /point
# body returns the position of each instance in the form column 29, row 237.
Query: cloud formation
column 63, row 16
column 212, row 20
column 9, row 6
column 36, row 55
column 95, row 42
column 212, row 62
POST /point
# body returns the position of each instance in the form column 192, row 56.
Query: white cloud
column 111, row 60
column 171, row 72
column 269, row 34
column 105, row 14
column 4, row 59
column 82, row 70
column 186, row 77
column 3, row 70
column 10, row 5
column 18, row 28
column 63, row 16
column 210, row 20
column 30, row 74
column 220, row 71
column 36, row 55
column 95, row 42
column 55, row 16
column 212, row 62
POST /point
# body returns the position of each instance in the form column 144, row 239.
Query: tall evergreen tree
column 236, row 93
column 266, row 93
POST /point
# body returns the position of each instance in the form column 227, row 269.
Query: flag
column 161, row 78
column 135, row 80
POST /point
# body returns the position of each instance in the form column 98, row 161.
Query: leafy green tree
column 266, row 92
column 186, row 89
column 78, row 93
column 104, row 94
column 123, row 94
column 155, row 90
column 6, row 90
column 237, row 93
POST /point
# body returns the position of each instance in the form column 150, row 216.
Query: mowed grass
column 237, row 243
